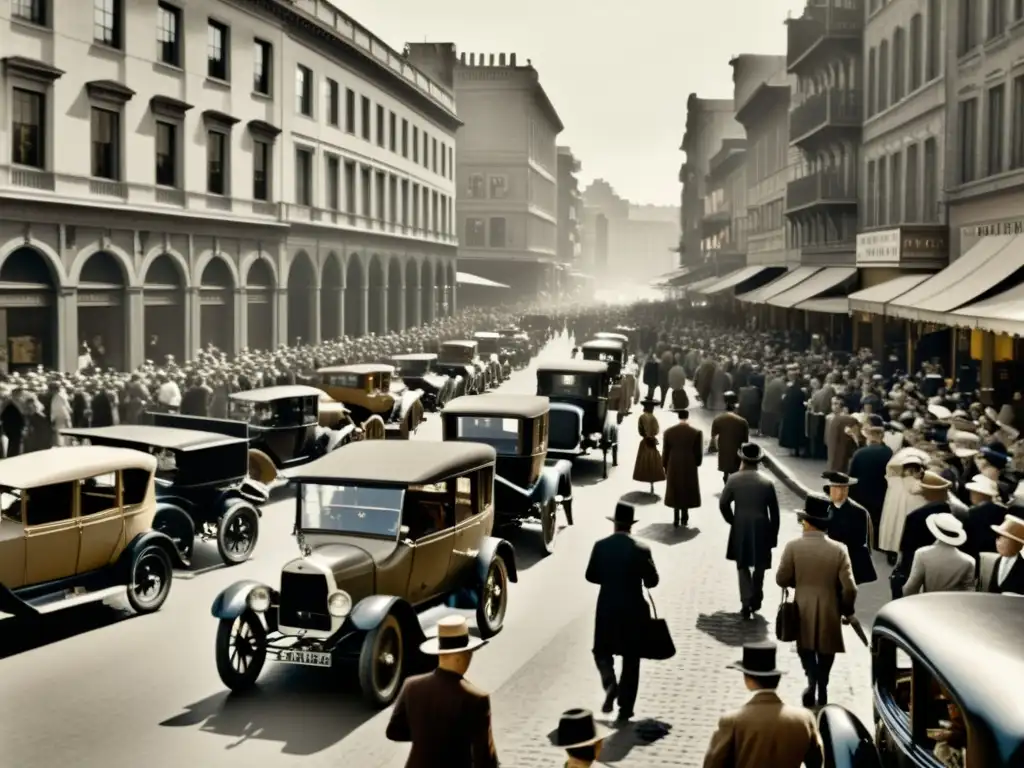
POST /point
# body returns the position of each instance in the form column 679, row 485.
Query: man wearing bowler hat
column 447, row 719
column 850, row 525
column 580, row 737
column 765, row 731
column 622, row 567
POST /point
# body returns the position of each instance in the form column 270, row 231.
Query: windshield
column 501, row 434
column 412, row 367
column 567, row 385
column 352, row 509
column 487, row 346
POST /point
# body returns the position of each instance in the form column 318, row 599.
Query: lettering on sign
column 24, row 300
column 992, row 229
column 879, row 247
column 111, row 299
column 258, row 298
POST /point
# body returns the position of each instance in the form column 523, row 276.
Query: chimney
column 490, row 63
column 501, row 60
column 472, row 59
column 462, row 58
column 512, row 60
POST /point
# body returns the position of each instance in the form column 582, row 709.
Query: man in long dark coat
column 793, row 431
column 729, row 431
column 750, row 506
column 867, row 467
column 850, row 525
column 681, row 456
column 771, row 404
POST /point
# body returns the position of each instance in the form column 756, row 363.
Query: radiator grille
column 304, row 601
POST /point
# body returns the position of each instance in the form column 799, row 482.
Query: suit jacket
column 730, row 431
column 916, row 534
column 989, row 575
column 851, row 525
column 978, row 526
column 448, row 721
column 622, row 567
column 868, row 466
column 940, row 567
column 750, row 506
column 681, row 455
column 765, row 732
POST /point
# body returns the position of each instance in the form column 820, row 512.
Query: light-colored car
column 372, row 390
column 77, row 526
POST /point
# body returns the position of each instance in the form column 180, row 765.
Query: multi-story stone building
column 724, row 225
column 570, row 208
column 175, row 174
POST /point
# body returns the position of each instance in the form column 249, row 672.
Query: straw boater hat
column 940, row 412
column 751, row 452
column 576, row 728
column 986, row 486
column 946, row 528
column 758, row 660
column 452, row 637
column 962, row 444
column 1011, row 528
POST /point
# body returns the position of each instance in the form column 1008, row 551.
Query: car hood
column 347, row 562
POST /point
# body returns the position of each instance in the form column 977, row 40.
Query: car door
column 12, row 541
column 100, row 520
column 51, row 533
column 471, row 525
column 432, row 549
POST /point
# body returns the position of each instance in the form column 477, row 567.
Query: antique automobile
column 463, row 353
column 946, row 687
column 526, row 487
column 370, row 390
column 489, row 348
column 540, row 327
column 385, row 531
column 281, row 424
column 581, row 421
column 202, row 485
column 420, row 372
column 613, row 352
column 516, row 347
column 76, row 526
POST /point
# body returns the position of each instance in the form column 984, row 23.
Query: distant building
column 570, row 208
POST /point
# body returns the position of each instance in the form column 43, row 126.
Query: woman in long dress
column 648, row 468
column 902, row 473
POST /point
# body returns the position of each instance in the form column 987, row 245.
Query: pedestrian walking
column 934, row 489
column 682, row 454
column 867, row 467
column 850, row 525
column 622, row 567
column 819, row 572
column 447, row 718
column 1004, row 571
column 985, row 514
column 765, row 731
column 942, row 567
column 729, row 431
column 580, row 737
column 750, row 506
column 648, row 468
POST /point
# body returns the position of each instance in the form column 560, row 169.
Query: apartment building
column 570, row 210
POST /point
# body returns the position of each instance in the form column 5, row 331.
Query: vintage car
column 516, row 347
column 385, row 531
column 540, row 327
column 203, row 489
column 613, row 352
column 370, row 390
column 491, row 351
column 281, row 423
column 76, row 526
column 947, row 668
column 420, row 372
column 463, row 353
column 526, row 487
column 581, row 420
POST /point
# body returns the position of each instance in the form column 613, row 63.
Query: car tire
column 238, row 530
column 149, row 579
column 249, row 639
column 490, row 615
column 548, row 525
column 383, row 651
column 179, row 528
column 567, row 508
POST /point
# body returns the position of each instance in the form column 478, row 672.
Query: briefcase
column 656, row 641
column 787, row 620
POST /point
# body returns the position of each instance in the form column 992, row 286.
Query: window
column 405, row 202
column 444, row 215
column 497, row 232
column 930, row 199
column 97, row 494
column 870, row 196
column 934, row 52
column 166, row 154
column 216, row 162
column 899, row 64
column 994, row 128
column 28, row 128
column 1017, row 124
column 910, row 210
column 433, row 155
column 415, row 144
column 30, row 10
column 333, row 171
column 895, row 188
column 168, row 35
column 350, row 188
column 381, row 127
column 499, row 187
column 426, row 150
column 883, row 75
column 107, row 22
column 260, row 170
column 968, row 127
column 883, row 181
column 967, row 33
column 444, row 161
column 106, row 144
column 451, row 163
column 872, row 76
column 381, row 191
column 303, row 176
column 350, row 110
column 392, row 132
column 365, row 115
column 405, row 137
column 414, row 205
column 263, row 59
column 916, row 51
column 304, row 90
column 434, row 211
column 367, row 200
column 996, row 18
column 476, row 233
column 333, row 95
column 217, row 50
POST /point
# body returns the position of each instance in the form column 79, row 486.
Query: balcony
column 834, row 108
column 820, row 24
column 822, row 188
column 716, row 220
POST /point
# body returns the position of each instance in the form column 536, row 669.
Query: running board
column 51, row 604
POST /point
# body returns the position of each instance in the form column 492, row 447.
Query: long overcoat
column 731, row 431
column 771, row 406
column 749, row 406
column 751, row 507
column 702, row 379
column 681, row 455
column 793, row 431
column 850, row 525
column 622, row 567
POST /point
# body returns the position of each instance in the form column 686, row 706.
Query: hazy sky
column 617, row 71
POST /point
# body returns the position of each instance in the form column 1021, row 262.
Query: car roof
column 486, row 335
column 520, row 406
column 62, row 465
column 573, row 366
column 973, row 642
column 416, row 356
column 459, row 343
column 603, row 335
column 362, row 369
column 158, row 437
column 602, row 344
column 270, row 394
column 395, row 462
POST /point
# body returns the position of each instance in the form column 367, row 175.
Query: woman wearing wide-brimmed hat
column 903, row 475
column 648, row 468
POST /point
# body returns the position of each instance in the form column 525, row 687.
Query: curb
column 780, row 471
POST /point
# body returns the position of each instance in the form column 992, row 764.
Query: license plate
column 306, row 658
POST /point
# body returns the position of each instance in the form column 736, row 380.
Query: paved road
column 103, row 689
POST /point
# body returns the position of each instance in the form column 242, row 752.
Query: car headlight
column 259, row 599
column 339, row 604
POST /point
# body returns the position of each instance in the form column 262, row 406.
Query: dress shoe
column 747, row 613
column 822, row 695
column 609, row 699
column 686, row 518
column 624, row 717
column 808, row 696
column 675, row 519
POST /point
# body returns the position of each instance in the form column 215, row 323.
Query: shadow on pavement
column 641, row 734
column 668, row 534
column 205, row 558
column 527, row 543
column 641, row 498
column 306, row 710
column 732, row 629
column 21, row 635
column 586, row 470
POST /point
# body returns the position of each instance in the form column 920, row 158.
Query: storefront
column 103, row 311
column 28, row 312
column 164, row 310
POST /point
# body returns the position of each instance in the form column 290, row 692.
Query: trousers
column 751, row 587
column 628, row 682
column 817, row 666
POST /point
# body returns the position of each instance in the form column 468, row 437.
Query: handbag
column 656, row 642
column 787, row 620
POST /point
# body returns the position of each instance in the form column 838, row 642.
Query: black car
column 421, row 371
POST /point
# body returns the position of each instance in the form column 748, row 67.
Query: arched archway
column 412, row 294
column 102, row 318
column 217, row 306
column 396, row 301
column 451, row 283
column 377, row 298
column 332, row 298
column 163, row 295
column 259, row 291
column 302, row 312
column 441, row 292
column 355, row 298
column 28, row 298
column 427, row 293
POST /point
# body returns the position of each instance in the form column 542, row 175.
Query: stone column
column 279, row 307
column 452, row 305
column 338, row 323
column 314, row 316
column 241, row 320
column 417, row 310
column 365, row 319
column 135, row 333
column 369, row 212
column 193, row 320
column 68, row 345
column 401, row 308
column 382, row 307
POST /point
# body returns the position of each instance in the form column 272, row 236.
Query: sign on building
column 877, row 248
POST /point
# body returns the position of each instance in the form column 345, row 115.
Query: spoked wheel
column 149, row 582
column 241, row 650
column 237, row 532
column 382, row 662
column 180, row 529
column 493, row 602
column 548, row 525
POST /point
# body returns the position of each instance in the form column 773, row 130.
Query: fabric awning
column 990, row 261
column 464, row 278
column 812, row 287
column 733, row 279
column 670, row 277
column 836, row 306
column 700, row 285
column 1003, row 313
column 782, row 283
column 873, row 300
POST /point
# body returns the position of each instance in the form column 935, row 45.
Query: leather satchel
column 656, row 642
column 787, row 620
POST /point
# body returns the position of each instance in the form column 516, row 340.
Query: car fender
column 264, row 463
column 490, row 548
column 336, row 437
column 12, row 604
column 845, row 741
column 561, row 473
column 369, row 612
column 175, row 510
column 150, row 538
column 409, row 398
column 232, row 601
column 254, row 495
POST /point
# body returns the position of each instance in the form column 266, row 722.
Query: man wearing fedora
column 942, row 567
column 681, row 456
column 850, row 525
column 750, row 506
column 935, row 490
column 819, row 572
column 984, row 516
column 621, row 566
column 447, row 719
column 868, row 467
column 729, row 431
column 1003, row 571
column 580, row 737
column 765, row 731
